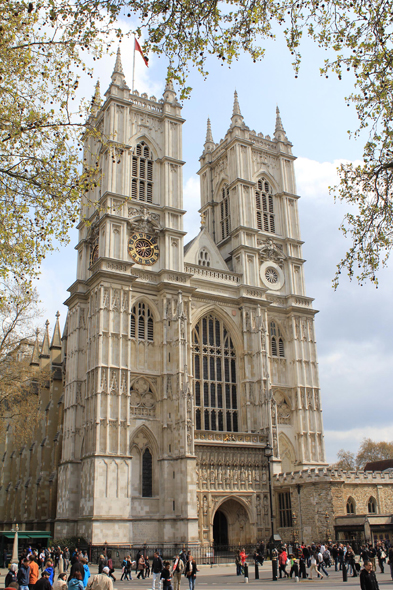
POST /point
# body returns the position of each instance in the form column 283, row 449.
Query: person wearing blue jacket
column 49, row 568
column 76, row 582
column 24, row 575
column 86, row 570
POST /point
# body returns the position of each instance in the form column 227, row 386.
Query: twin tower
column 184, row 361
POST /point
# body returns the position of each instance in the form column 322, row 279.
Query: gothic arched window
column 351, row 506
column 372, row 505
column 142, row 173
column 225, row 213
column 215, row 381
column 142, row 326
column 265, row 206
column 276, row 341
column 147, row 474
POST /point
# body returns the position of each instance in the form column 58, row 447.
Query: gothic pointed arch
column 143, row 319
column 287, row 453
column 237, row 499
column 372, row 505
column 215, row 370
column 144, row 449
column 351, row 506
column 142, row 438
column 277, row 339
column 150, row 141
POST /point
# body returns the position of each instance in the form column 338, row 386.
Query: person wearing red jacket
column 282, row 563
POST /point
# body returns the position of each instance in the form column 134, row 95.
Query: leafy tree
column 19, row 382
column 369, row 450
column 346, row 460
column 373, row 451
column 41, row 131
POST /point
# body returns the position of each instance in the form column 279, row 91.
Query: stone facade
column 183, row 362
column 335, row 504
column 28, row 478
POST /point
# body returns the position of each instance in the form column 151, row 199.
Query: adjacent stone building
column 333, row 504
column 28, row 477
column 183, row 362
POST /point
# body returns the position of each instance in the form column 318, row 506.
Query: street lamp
column 269, row 454
column 327, row 526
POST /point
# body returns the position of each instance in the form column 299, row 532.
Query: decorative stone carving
column 142, row 398
column 283, row 413
column 272, row 252
column 143, row 220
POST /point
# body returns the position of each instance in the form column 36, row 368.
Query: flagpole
column 133, row 69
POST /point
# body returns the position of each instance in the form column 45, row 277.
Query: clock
column 143, row 248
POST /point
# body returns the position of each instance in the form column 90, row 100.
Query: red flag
column 138, row 48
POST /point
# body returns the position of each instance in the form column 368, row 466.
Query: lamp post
column 327, row 526
column 294, row 525
column 269, row 454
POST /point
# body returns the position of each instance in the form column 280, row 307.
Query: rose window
column 271, row 275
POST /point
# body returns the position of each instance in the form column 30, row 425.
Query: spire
column 279, row 132
column 169, row 92
column 237, row 117
column 118, row 66
column 56, row 338
column 209, row 143
column 96, row 100
column 45, row 342
column 35, row 357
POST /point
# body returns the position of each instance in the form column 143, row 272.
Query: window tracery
column 225, row 212
column 142, row 325
column 142, row 173
column 351, row 506
column 204, row 257
column 265, row 206
column 372, row 505
column 276, row 341
column 215, row 378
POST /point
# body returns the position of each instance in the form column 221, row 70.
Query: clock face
column 143, row 248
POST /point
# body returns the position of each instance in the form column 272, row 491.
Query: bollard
column 246, row 573
column 274, row 569
column 345, row 573
column 256, row 570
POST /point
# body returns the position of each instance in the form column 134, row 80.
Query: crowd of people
column 26, row 574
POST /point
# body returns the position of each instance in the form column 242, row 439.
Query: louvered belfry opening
column 215, row 377
column 142, row 173
column 265, row 206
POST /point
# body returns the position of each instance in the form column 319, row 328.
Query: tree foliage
column 41, row 50
column 369, row 450
column 19, row 382
column 41, row 127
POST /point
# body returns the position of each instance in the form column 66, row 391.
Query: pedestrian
column 11, row 575
column 381, row 558
column 33, row 579
column 191, row 571
column 66, row 558
column 101, row 563
column 313, row 567
column 178, row 569
column 111, row 568
column 147, row 567
column 238, row 563
column 166, row 576
column 368, row 579
column 87, row 574
column 76, row 583
column 282, row 563
column 141, row 567
column 49, row 568
column 321, row 563
column 61, row 582
column 390, row 555
column 294, row 567
column 101, row 581
column 23, row 576
column 43, row 583
column 156, row 568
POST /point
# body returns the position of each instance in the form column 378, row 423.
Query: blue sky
column 354, row 325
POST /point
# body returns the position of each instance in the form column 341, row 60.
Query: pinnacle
column 56, row 338
column 35, row 357
column 209, row 135
column 45, row 343
column 96, row 100
column 118, row 69
column 279, row 132
column 236, row 106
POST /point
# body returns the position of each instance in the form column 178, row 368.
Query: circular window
column 271, row 275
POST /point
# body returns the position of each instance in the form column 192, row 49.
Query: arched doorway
column 220, row 529
column 231, row 524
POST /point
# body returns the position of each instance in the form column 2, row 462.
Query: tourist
column 111, row 568
column 335, row 557
column 294, row 566
column 147, row 567
column 282, row 563
column 390, row 555
column 66, row 558
column 313, row 566
column 49, row 568
column 141, row 567
column 321, row 563
column 11, row 575
column 238, row 563
column 156, row 568
column 86, row 574
column 23, row 576
column 61, row 582
column 191, row 571
column 178, row 569
column 43, row 583
column 77, row 566
column 101, row 581
column 381, row 555
column 76, row 583
column 33, row 579
column 101, row 563
column 166, row 576
column 368, row 579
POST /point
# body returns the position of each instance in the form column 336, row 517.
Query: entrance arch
column 220, row 529
column 231, row 524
